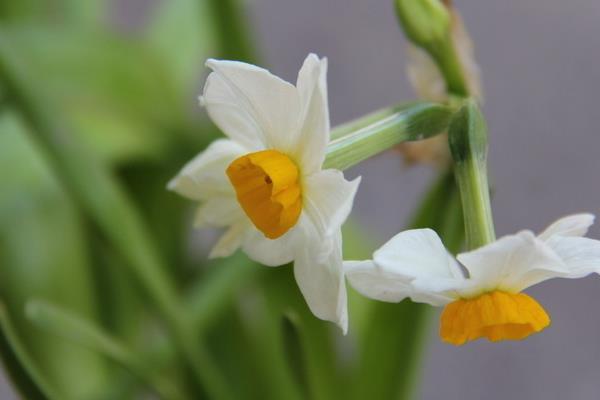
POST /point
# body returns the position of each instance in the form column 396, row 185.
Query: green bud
column 425, row 22
column 467, row 138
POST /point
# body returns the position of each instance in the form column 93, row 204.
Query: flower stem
column 468, row 144
column 370, row 135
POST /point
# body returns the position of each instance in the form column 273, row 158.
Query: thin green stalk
column 383, row 130
column 446, row 57
column 467, row 137
column 99, row 194
column 429, row 25
column 60, row 322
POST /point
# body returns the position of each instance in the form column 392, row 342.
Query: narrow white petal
column 321, row 279
column 313, row 130
column 204, row 176
column 417, row 253
column 328, row 199
column 271, row 252
column 230, row 241
column 373, row 282
column 251, row 105
column 571, row 225
column 580, row 255
column 512, row 263
column 218, row 211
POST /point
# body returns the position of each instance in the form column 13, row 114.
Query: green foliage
column 43, row 253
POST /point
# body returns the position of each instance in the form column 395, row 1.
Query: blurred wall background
column 541, row 78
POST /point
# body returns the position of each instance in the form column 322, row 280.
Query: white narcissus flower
column 265, row 182
column 483, row 299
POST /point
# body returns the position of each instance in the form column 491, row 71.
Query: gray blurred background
column 541, row 72
column 540, row 62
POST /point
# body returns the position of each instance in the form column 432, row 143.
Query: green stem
column 468, row 144
column 99, row 194
column 380, row 131
column 448, row 62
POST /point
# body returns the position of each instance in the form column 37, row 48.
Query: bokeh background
column 540, row 65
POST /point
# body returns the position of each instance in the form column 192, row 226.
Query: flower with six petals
column 483, row 299
column 265, row 182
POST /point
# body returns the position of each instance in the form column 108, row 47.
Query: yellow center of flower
column 495, row 315
column 267, row 187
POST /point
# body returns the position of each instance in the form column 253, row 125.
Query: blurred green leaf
column 86, row 12
column 61, row 322
column 42, row 253
column 114, row 91
column 183, row 32
column 108, row 205
column 24, row 372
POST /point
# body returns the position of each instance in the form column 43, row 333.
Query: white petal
column 313, row 130
column 512, row 263
column 219, row 211
column 271, row 252
column 328, row 200
column 417, row 253
column 580, row 255
column 321, row 280
column 230, row 241
column 251, row 105
column 571, row 225
column 373, row 282
column 204, row 176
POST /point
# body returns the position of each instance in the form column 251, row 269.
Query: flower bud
column 425, row 22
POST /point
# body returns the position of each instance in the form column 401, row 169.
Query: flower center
column 267, row 188
column 495, row 315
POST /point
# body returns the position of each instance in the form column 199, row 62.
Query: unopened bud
column 425, row 22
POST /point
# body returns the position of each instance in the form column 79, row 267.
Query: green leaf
column 106, row 202
column 116, row 93
column 42, row 252
column 72, row 12
column 25, row 374
column 60, row 322
column 184, row 35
